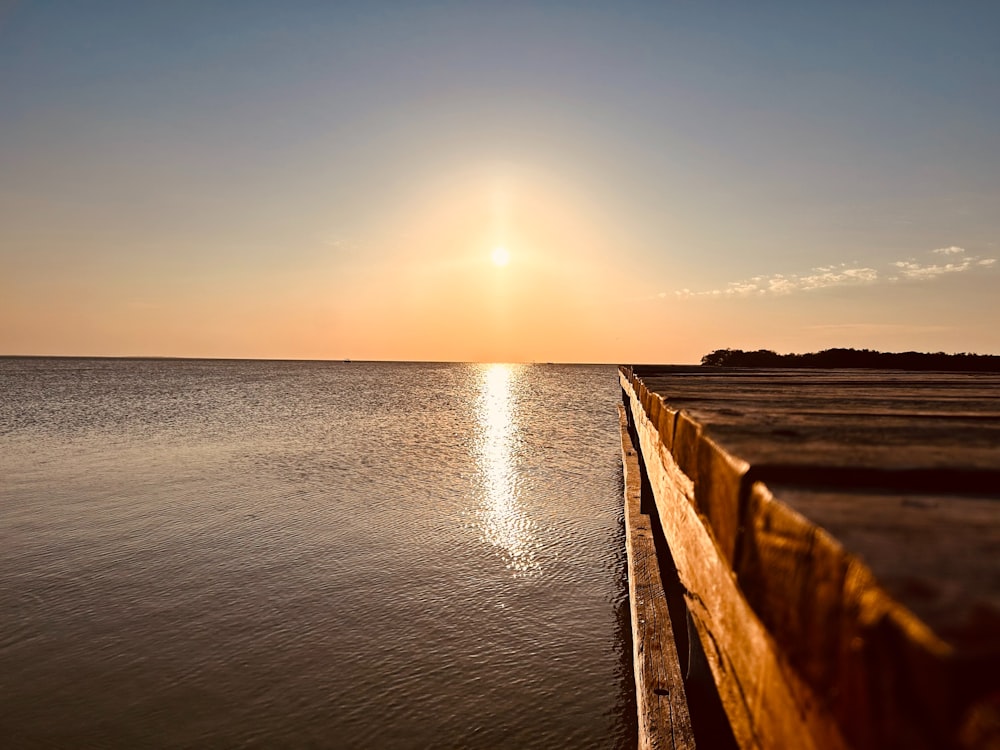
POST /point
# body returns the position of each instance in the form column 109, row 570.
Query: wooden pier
column 835, row 538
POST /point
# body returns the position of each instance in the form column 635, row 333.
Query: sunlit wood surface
column 856, row 516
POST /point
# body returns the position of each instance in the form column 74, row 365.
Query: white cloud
column 911, row 269
column 823, row 277
column 779, row 283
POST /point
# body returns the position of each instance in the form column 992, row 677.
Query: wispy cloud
column 845, row 274
column 818, row 278
column 912, row 269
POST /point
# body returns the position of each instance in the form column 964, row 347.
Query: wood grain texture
column 767, row 704
column 664, row 721
column 840, row 419
column 857, row 514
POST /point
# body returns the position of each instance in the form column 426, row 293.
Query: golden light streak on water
column 504, row 522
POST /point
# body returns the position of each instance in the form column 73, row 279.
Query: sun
column 501, row 256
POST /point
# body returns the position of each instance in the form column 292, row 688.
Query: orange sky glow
column 331, row 182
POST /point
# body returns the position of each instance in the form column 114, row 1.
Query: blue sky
column 323, row 179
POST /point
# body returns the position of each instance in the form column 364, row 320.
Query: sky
column 316, row 180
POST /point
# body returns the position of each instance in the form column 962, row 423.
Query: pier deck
column 837, row 537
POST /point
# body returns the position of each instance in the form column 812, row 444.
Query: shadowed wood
column 664, row 721
column 858, row 513
column 767, row 704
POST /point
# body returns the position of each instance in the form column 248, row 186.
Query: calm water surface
column 236, row 554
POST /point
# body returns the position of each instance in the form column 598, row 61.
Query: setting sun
column 501, row 256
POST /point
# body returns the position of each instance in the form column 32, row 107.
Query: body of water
column 311, row 554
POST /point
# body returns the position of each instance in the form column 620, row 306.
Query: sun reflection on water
column 504, row 522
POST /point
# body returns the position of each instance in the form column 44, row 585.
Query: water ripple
column 273, row 554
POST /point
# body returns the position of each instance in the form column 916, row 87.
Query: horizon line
column 346, row 360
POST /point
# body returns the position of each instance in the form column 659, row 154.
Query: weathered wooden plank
column 664, row 721
column 874, row 442
column 767, row 703
column 935, row 553
column 882, row 672
column 876, row 577
column 893, row 421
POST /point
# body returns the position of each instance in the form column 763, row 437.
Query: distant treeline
column 854, row 358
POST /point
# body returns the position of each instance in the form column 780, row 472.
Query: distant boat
column 347, row 361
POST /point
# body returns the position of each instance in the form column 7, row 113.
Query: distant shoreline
column 858, row 359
